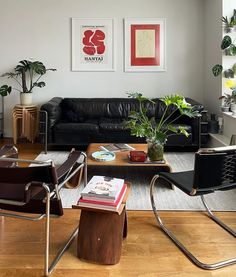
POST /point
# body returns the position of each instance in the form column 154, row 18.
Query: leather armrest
column 53, row 110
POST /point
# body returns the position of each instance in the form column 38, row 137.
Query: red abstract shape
column 94, row 42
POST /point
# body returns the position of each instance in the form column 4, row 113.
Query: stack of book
column 103, row 193
column 116, row 147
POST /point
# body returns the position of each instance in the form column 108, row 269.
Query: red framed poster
column 93, row 44
column 145, row 45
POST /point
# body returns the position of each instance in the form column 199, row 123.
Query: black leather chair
column 35, row 190
column 214, row 170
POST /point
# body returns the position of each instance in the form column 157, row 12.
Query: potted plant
column 229, row 23
column 27, row 75
column 226, row 102
column 229, row 48
column 156, row 133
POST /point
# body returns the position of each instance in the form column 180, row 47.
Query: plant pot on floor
column 26, row 98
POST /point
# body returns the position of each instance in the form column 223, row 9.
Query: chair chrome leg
column 47, row 234
column 85, row 168
column 177, row 242
column 216, row 219
column 48, row 269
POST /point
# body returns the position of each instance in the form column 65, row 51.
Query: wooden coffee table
column 122, row 159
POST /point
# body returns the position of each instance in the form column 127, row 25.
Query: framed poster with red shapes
column 93, row 44
column 145, row 44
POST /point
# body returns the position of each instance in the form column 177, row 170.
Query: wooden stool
column 101, row 234
column 25, row 119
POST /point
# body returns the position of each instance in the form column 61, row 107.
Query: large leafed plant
column 141, row 125
column 27, row 75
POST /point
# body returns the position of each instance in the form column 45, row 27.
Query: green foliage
column 217, row 69
column 226, row 42
column 230, row 49
column 27, row 75
column 227, row 98
column 5, row 90
column 229, row 22
column 141, row 125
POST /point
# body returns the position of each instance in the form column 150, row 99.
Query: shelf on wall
column 229, row 114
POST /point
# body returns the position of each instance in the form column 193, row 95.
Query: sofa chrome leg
column 177, row 242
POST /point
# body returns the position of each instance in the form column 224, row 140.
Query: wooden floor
column 146, row 251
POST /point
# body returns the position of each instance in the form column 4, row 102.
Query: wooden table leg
column 100, row 236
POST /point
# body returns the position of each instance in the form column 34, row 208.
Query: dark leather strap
column 68, row 164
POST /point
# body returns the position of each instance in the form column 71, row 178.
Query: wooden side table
column 25, row 120
column 101, row 234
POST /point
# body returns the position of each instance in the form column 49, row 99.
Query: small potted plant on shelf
column 226, row 102
column 27, row 75
column 230, row 49
column 229, row 24
column 156, row 132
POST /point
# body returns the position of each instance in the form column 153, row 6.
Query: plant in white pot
column 156, row 132
column 229, row 24
column 27, row 75
column 226, row 102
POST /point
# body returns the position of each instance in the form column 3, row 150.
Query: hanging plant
column 217, row 69
column 226, row 42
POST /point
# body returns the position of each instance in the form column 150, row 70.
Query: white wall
column 212, row 53
column 228, row 61
column 42, row 30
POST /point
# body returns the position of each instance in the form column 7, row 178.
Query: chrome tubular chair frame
column 48, row 268
column 178, row 243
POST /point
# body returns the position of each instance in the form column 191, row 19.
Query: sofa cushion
column 109, row 124
column 79, row 109
column 76, row 128
column 70, row 110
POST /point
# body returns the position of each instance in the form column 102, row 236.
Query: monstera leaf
column 5, row 90
column 217, row 69
column 226, row 42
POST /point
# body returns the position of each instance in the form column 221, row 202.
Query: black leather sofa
column 80, row 121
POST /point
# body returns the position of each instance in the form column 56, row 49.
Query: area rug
column 139, row 199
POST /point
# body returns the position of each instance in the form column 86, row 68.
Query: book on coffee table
column 115, row 147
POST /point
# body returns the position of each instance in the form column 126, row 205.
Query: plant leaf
column 5, row 90
column 172, row 129
column 183, row 131
column 39, row 84
column 226, row 42
column 217, row 69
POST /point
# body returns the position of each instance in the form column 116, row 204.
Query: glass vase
column 155, row 151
